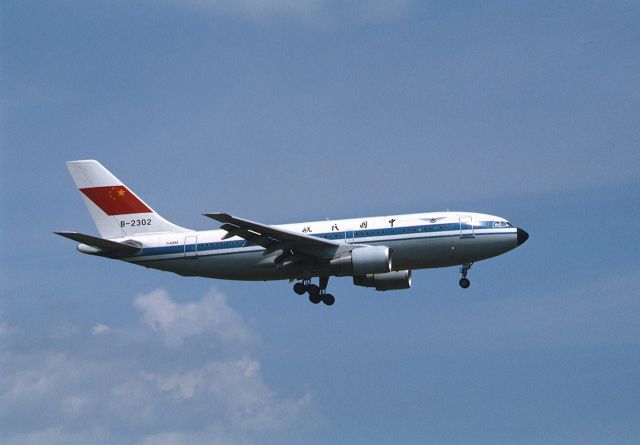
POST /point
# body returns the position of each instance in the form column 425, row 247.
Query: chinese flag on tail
column 115, row 200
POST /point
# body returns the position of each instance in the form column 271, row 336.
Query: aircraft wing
column 273, row 238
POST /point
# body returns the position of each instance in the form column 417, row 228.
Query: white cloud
column 100, row 329
column 176, row 322
column 251, row 405
column 78, row 391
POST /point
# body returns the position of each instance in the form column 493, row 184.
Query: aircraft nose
column 522, row 236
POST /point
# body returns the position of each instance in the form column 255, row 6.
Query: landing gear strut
column 316, row 293
column 464, row 281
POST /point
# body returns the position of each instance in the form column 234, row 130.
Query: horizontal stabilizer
column 104, row 246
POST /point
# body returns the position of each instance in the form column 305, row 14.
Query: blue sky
column 283, row 111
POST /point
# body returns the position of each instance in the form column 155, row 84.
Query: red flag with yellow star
column 115, row 200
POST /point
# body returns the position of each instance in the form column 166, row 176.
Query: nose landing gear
column 464, row 281
column 316, row 293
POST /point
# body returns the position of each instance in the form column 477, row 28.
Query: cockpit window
column 501, row 224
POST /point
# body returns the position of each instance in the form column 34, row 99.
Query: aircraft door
column 191, row 247
column 466, row 227
column 348, row 237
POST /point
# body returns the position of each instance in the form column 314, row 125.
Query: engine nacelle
column 385, row 281
column 363, row 260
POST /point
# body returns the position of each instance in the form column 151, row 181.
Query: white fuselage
column 417, row 241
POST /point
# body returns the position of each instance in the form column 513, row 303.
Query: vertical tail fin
column 115, row 209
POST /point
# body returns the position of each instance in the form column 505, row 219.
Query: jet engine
column 363, row 260
column 385, row 281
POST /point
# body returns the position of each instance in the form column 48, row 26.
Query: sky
column 285, row 111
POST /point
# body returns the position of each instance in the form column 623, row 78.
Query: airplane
column 378, row 252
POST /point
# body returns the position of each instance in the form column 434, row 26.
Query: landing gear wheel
column 313, row 289
column 299, row 288
column 315, row 298
column 328, row 299
column 464, row 269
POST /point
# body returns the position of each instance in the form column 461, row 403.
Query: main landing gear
column 316, row 293
column 464, row 281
